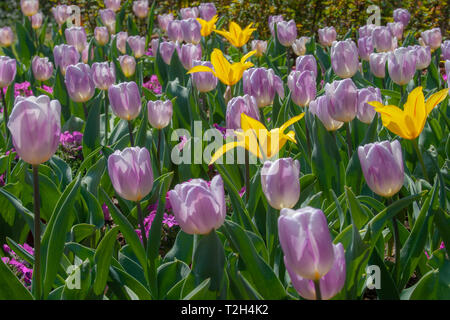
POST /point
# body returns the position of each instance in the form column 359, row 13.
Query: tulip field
column 177, row 155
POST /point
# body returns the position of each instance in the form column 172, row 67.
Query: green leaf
column 388, row 290
column 169, row 274
column 182, row 248
column 91, row 136
column 200, row 292
column 434, row 285
column 359, row 217
column 11, row 287
column 102, row 258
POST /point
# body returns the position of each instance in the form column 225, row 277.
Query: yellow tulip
column 255, row 138
column 228, row 73
column 236, row 36
column 208, row 26
column 409, row 122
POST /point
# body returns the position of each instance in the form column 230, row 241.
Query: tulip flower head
column 103, row 75
column 402, row 15
column 36, row 20
column 61, row 13
column 164, row 20
column 79, row 83
column 29, row 7
column 432, row 38
column 377, row 63
column 64, row 56
column 207, row 11
column 76, row 36
column 166, row 50
column 238, row 105
column 260, row 47
column 306, row 63
column 108, row 18
column 204, row 81
column 137, row 45
column 114, row 5
column 189, row 13
column 101, row 35
column 159, row 113
column 235, row 35
column 8, row 69
column 319, row 108
column 6, row 36
column 344, row 58
column 299, row 45
column 188, row 53
column 141, row 8
column 262, row 83
column 286, row 32
column 191, row 30
column 327, row 36
column 402, row 65
column 302, row 85
column 125, row 100
column 42, row 68
column 208, row 26
column 445, row 48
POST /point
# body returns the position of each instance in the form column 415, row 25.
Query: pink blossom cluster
column 21, row 267
column 21, row 89
column 153, row 85
column 71, row 139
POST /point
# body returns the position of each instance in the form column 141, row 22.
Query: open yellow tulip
column 236, row 36
column 208, row 26
column 255, row 138
column 409, row 122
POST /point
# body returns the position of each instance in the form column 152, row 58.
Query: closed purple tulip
column 101, row 35
column 125, row 100
column 402, row 15
column 236, row 106
column 164, row 20
column 365, row 111
column 42, row 68
column 199, row 207
column 128, row 65
column 272, row 21
column 383, row 40
column 207, row 10
column 36, row 20
column 76, row 36
column 306, row 63
column 29, row 7
column 280, row 182
column 35, row 126
column 154, row 45
column 159, row 113
column 327, row 36
column 188, row 53
column 330, row 284
column 189, row 13
column 204, row 81
column 6, row 37
column 131, row 173
column 103, row 75
column 423, row 56
column 432, row 38
column 191, row 31
column 302, row 85
column 8, row 69
column 447, row 73
column 306, row 242
column 108, row 18
column 64, row 56
column 401, row 65
column 137, row 45
column 344, row 58
column 396, row 29
column 342, row 98
column 114, row 5
column 141, row 8
column 299, row 45
column 166, row 50
column 262, row 83
column 365, row 47
column 175, row 31
column 61, row 13
column 377, row 63
column 319, row 108
column 287, row 32
column 79, row 83
column 382, row 166
column 445, row 48
column 366, row 30
column 121, row 41
column 260, row 46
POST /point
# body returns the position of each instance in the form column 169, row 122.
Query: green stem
column 141, row 223
column 85, row 111
column 397, row 245
column 263, row 119
column 402, row 94
column 271, row 232
column 158, row 152
column 349, row 140
column 5, row 114
column 317, row 288
column 308, row 139
column 106, row 118
column 419, row 155
column 130, row 130
column 247, row 175
column 37, row 234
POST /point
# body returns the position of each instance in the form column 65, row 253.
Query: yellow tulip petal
column 291, row 121
column 376, row 104
column 248, row 55
column 224, row 149
column 415, row 107
column 250, row 123
column 201, row 69
column 435, row 99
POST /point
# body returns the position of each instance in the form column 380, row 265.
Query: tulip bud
column 286, row 32
column 382, row 166
column 402, row 15
column 445, row 48
column 137, row 45
column 164, row 20
column 61, row 13
column 299, row 45
column 29, row 7
column 280, row 182
column 365, row 47
column 140, row 8
column 103, row 75
column 189, row 13
column 108, row 18
column 262, row 83
column 204, row 81
column 35, row 126
column 79, row 83
column 36, row 20
column 342, row 98
column 236, row 106
column 330, row 284
column 383, row 40
column 154, row 45
column 121, row 41
column 101, row 35
column 128, row 65
column 401, row 65
column 6, row 37
column 396, row 29
column 175, row 31
column 131, row 173
column 327, row 36
column 366, row 112
column 344, row 58
column 272, row 21
column 191, row 31
column 64, row 56
column 366, row 31
column 306, row 242
column 377, row 62
column 306, row 63
column 125, row 100
column 199, row 207
column 8, row 69
column 302, row 85
column 159, row 113
column 432, row 38
column 166, row 50
column 76, row 36
column 260, row 47
column 319, row 107
column 42, row 68
column 207, row 11
column 423, row 56
column 114, row 5
column 188, row 53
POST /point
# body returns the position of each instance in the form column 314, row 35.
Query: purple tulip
column 396, row 29
column 103, row 75
column 319, row 108
column 432, row 38
column 36, row 20
column 189, row 13
column 8, row 69
column 302, row 85
column 382, row 166
column 29, row 7
column 199, row 207
column 64, row 56
column 342, row 98
column 166, row 50
column 344, row 58
column 154, row 45
column 377, row 62
column 402, row 15
column 101, row 35
column 280, row 182
column 327, row 36
column 191, row 31
column 42, row 68
column 236, row 106
column 35, row 126
column 131, row 173
column 114, row 5
column 207, row 11
column 6, row 37
column 137, row 45
column 188, row 53
column 299, row 45
column 204, row 81
column 121, row 41
column 401, row 65
column 164, row 20
column 306, row 242
column 76, row 36
column 365, row 47
column 423, row 56
column 61, row 13
column 262, row 83
column 175, row 31
column 306, row 63
column 79, row 83
column 260, row 46
column 85, row 55
column 447, row 73
column 330, row 284
column 366, row 30
column 272, row 21
column 125, row 100
column 383, row 40
column 445, row 48
column 108, row 18
column 365, row 111
column 141, row 8
column 287, row 32
column 159, row 113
